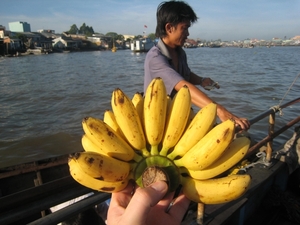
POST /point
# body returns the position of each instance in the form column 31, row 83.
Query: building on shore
column 19, row 26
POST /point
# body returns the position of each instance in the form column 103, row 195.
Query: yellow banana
column 110, row 160
column 177, row 117
column 96, row 184
column 216, row 191
column 209, row 148
column 90, row 146
column 198, row 128
column 155, row 109
column 128, row 119
column 138, row 102
column 191, row 117
column 107, row 139
column 235, row 152
column 110, row 120
column 102, row 167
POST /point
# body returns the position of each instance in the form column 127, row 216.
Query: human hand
column 242, row 122
column 147, row 206
column 224, row 114
column 209, row 84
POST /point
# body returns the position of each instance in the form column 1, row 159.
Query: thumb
column 156, row 191
column 142, row 201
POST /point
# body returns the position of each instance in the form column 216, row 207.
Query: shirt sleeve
column 158, row 65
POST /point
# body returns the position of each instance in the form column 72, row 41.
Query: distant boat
column 215, row 45
column 187, row 45
column 36, row 51
column 114, row 48
column 141, row 45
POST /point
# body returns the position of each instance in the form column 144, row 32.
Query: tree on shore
column 115, row 36
column 152, row 36
column 84, row 29
column 112, row 34
column 73, row 29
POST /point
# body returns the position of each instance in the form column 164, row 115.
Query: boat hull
column 143, row 45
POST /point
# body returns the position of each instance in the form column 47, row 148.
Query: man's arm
column 200, row 99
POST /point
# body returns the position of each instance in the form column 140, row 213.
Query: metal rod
column 268, row 112
column 275, row 134
column 72, row 210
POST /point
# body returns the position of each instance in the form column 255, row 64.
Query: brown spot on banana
column 107, row 189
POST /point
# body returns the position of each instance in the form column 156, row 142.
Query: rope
column 246, row 164
column 276, row 108
column 262, row 160
column 289, row 89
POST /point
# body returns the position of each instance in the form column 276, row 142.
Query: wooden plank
column 32, row 166
column 19, row 211
column 72, row 210
column 227, row 213
column 32, row 194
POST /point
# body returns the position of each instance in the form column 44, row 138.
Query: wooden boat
column 37, row 51
column 215, row 45
column 141, row 45
column 29, row 190
column 114, row 48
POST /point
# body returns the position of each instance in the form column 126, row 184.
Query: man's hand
column 209, row 84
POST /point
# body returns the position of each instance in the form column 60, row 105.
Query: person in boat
column 168, row 60
column 151, row 205
column 146, row 206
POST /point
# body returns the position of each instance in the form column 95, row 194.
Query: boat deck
column 258, row 206
column 29, row 190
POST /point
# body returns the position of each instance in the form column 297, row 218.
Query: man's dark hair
column 173, row 12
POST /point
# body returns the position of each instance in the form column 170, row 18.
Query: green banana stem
column 183, row 170
column 133, row 165
column 178, row 162
column 137, row 157
column 164, row 151
column 158, row 165
column 172, row 156
column 145, row 152
column 154, row 150
column 184, row 180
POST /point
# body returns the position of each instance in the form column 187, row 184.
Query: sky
column 218, row 19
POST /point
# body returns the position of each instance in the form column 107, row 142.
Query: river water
column 44, row 97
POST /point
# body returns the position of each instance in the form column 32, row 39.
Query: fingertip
column 160, row 186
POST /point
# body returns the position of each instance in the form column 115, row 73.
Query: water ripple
column 44, row 98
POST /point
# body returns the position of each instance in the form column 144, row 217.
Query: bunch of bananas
column 154, row 137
